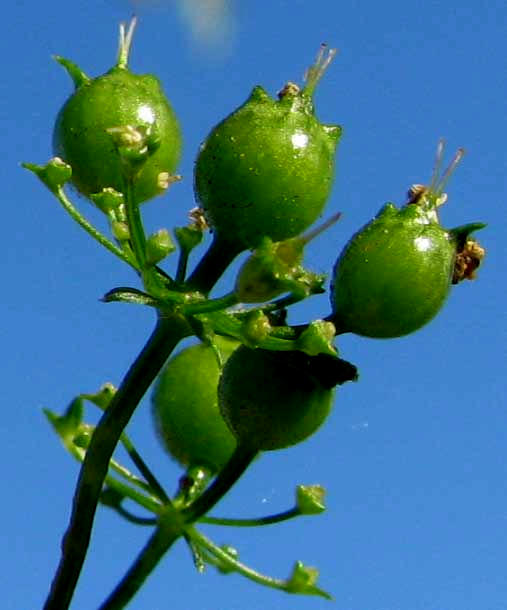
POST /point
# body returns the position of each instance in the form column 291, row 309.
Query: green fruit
column 272, row 400
column 395, row 274
column 267, row 169
column 185, row 407
column 116, row 99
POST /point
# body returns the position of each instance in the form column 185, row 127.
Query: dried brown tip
column 468, row 261
column 289, row 90
column 415, row 192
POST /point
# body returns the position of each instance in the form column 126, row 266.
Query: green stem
column 181, row 269
column 197, row 555
column 233, row 564
column 131, row 518
column 130, row 477
column 218, row 257
column 166, row 335
column 225, row 560
column 232, row 471
column 91, row 230
column 132, row 494
column 210, row 305
column 136, row 230
column 125, row 490
column 172, row 526
column 167, row 532
column 285, row 516
column 143, row 468
column 281, row 339
column 284, row 302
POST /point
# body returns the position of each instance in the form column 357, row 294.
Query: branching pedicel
column 262, row 176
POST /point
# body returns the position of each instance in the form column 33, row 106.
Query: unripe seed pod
column 395, row 274
column 272, row 400
column 185, row 407
column 117, row 99
column 267, row 169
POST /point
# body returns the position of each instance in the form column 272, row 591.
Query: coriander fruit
column 116, row 99
column 267, row 169
column 395, row 274
column 272, row 400
column 185, row 407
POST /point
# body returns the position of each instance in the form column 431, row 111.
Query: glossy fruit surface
column 185, row 407
column 394, row 275
column 272, row 400
column 115, row 99
column 267, row 169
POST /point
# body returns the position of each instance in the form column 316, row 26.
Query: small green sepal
column 120, row 230
column 158, row 246
column 303, row 579
column 255, row 328
column 135, row 144
column 54, row 174
column 317, row 338
column 103, row 397
column 79, row 78
column 188, row 237
column 463, row 232
column 310, row 499
column 73, row 432
column 68, row 424
column 108, row 200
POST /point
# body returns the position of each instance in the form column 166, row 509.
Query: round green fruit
column 395, row 274
column 185, row 407
column 267, row 169
column 116, row 99
column 272, row 400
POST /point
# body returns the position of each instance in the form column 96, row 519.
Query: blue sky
column 413, row 456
